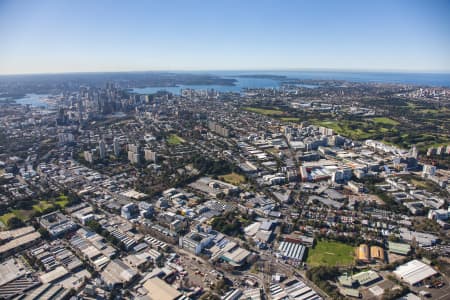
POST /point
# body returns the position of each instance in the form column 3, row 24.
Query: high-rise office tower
column 102, row 149
column 116, row 147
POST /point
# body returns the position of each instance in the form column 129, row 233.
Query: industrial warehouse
column 292, row 250
column 414, row 272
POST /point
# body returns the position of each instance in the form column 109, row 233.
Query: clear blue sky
column 105, row 35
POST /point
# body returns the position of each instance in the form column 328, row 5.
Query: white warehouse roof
column 292, row 250
column 414, row 271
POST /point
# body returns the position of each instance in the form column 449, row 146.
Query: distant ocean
column 429, row 79
column 422, row 79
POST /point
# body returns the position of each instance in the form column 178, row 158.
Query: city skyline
column 62, row 36
column 225, row 150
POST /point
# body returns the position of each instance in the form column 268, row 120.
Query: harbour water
column 241, row 83
column 35, row 100
column 422, row 79
column 274, row 79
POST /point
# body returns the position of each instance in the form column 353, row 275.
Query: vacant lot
column 233, row 178
column 330, row 253
column 175, row 140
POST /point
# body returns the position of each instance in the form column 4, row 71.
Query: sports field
column 263, row 111
column 330, row 253
column 233, row 178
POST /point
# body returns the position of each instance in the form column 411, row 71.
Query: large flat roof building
column 236, row 256
column 56, row 223
column 292, row 250
column 195, row 241
column 414, row 272
column 158, row 289
column 363, row 278
column 117, row 273
column 12, row 234
column 54, row 276
column 15, row 278
column 399, row 248
column 16, row 240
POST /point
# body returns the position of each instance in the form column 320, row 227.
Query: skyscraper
column 88, row 156
column 149, row 155
column 133, row 153
column 102, row 149
column 116, row 147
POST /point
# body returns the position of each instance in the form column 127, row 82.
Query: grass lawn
column 5, row 218
column 412, row 105
column 263, row 111
column 351, row 129
column 289, row 119
column 424, row 141
column 42, row 205
column 385, row 121
column 22, row 214
column 62, row 201
column 175, row 140
column 330, row 253
column 233, row 178
column 425, row 184
column 26, row 214
column 433, row 111
column 329, row 124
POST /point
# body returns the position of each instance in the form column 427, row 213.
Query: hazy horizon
column 265, row 71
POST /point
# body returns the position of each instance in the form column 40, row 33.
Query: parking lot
column 440, row 293
column 199, row 272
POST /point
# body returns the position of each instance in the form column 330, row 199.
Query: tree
column 15, row 222
column 220, row 286
column 44, row 233
column 390, row 294
column 94, row 226
column 209, row 296
column 321, row 276
column 24, row 204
